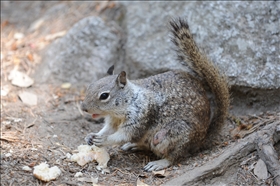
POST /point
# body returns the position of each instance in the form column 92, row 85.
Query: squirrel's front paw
column 95, row 139
column 99, row 141
column 90, row 138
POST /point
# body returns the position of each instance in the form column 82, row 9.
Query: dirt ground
column 55, row 126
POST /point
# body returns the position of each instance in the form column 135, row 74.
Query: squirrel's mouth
column 94, row 116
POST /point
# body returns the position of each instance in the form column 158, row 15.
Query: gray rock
column 84, row 54
column 242, row 38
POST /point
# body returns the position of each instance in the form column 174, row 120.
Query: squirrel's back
column 180, row 117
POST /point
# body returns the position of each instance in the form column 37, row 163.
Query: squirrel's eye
column 104, row 96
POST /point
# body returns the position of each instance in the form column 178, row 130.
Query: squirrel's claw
column 130, row 147
column 91, row 139
column 157, row 165
column 99, row 141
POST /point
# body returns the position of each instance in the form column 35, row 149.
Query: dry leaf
column 140, row 183
column 103, row 170
column 235, row 132
column 143, row 176
column 32, row 164
column 4, row 23
column 248, row 127
column 16, row 61
column 28, row 98
column 20, row 79
column 159, row 174
column 66, row 85
column 18, row 35
column 102, row 6
column 88, row 180
column 78, row 174
column 8, row 155
column 5, row 90
column 242, row 126
column 26, row 168
column 55, row 35
column 260, row 170
column 14, row 46
column 111, row 5
column 30, row 57
column 36, row 24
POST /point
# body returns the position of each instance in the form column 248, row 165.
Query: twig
column 255, row 127
column 49, row 183
column 30, row 125
column 122, row 171
column 245, row 161
column 9, row 139
column 252, row 116
column 242, row 176
column 254, row 176
column 12, row 181
column 79, row 108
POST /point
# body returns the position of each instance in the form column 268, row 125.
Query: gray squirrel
column 168, row 113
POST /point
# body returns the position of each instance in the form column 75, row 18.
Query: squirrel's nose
column 83, row 107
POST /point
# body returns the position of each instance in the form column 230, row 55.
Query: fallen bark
column 233, row 154
column 264, row 145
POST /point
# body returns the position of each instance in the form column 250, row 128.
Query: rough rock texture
column 242, row 38
column 83, row 54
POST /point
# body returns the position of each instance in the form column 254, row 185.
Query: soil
column 55, row 126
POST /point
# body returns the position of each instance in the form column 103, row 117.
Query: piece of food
column 44, row 173
column 78, row 174
column 91, row 153
column 26, row 168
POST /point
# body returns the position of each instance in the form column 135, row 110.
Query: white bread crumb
column 44, row 173
column 78, row 174
column 26, row 168
column 90, row 153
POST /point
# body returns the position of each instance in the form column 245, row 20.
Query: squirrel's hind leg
column 157, row 165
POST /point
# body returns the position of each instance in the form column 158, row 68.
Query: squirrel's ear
column 110, row 71
column 121, row 80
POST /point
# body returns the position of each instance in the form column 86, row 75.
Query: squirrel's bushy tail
column 190, row 55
